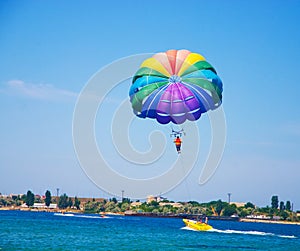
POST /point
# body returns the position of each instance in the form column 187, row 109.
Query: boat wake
column 81, row 216
column 190, row 229
column 61, row 214
column 250, row 233
column 228, row 231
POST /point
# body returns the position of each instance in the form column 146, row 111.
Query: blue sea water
column 49, row 231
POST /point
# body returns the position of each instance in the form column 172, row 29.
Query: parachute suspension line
column 179, row 132
column 172, row 129
column 182, row 130
column 188, row 192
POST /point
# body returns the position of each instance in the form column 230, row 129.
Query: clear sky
column 50, row 49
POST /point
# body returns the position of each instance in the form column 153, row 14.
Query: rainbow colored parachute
column 175, row 86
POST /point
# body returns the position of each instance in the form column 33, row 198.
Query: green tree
column 126, row 200
column 229, row 210
column 243, row 213
column 283, row 215
column 14, row 197
column 220, row 206
column 271, row 212
column 153, row 203
column 70, row 203
column 114, row 200
column 3, row 202
column 91, row 207
column 281, row 206
column 77, row 203
column 109, row 206
column 102, row 205
column 155, row 211
column 63, row 201
column 48, row 198
column 116, row 210
column 23, row 197
column 167, row 209
column 288, row 205
column 29, row 198
column 125, row 206
column 249, row 205
column 274, row 201
column 194, row 203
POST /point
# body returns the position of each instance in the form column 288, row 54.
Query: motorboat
column 197, row 225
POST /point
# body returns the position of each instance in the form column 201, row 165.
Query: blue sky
column 50, row 49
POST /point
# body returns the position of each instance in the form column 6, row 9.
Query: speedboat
column 197, row 225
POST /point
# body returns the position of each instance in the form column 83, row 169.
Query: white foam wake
column 188, row 228
column 229, row 231
column 61, row 214
column 80, row 216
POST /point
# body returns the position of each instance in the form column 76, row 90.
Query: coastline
column 151, row 215
column 270, row 221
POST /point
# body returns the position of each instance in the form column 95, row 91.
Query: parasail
column 175, row 86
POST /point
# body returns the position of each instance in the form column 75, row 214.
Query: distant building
column 38, row 197
column 52, row 206
column 129, row 212
column 238, row 204
column 260, row 217
column 276, row 217
column 41, row 206
column 136, row 204
column 151, row 198
column 173, row 204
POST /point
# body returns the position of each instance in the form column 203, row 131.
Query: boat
column 197, row 225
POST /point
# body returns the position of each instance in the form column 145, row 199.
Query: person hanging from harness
column 178, row 142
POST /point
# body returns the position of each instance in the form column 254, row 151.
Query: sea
column 23, row 230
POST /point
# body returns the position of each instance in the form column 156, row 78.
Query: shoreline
column 150, row 216
column 270, row 221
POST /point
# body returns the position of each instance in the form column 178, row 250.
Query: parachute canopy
column 175, row 86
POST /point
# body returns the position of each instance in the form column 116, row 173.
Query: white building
column 41, row 206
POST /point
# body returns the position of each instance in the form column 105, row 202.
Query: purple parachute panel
column 177, row 104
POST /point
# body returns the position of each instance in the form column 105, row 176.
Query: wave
column 229, row 231
column 81, row 216
column 288, row 236
column 92, row 217
column 61, row 214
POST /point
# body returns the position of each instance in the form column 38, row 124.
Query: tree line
column 29, row 199
column 281, row 209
